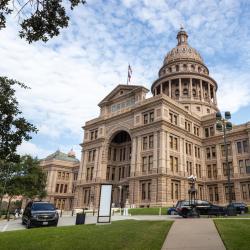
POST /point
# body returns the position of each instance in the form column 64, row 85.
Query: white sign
column 105, row 201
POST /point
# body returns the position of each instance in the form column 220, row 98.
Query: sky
column 72, row 73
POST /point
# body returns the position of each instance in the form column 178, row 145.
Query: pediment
column 119, row 91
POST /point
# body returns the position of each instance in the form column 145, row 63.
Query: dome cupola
column 185, row 78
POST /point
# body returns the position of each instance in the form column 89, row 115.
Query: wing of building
column 147, row 147
column 62, row 172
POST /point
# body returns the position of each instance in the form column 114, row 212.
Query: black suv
column 184, row 208
column 240, row 207
column 39, row 213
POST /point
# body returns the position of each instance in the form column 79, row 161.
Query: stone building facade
column 147, row 147
column 62, row 172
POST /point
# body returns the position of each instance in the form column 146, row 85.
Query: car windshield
column 42, row 207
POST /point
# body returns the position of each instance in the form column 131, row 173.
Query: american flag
column 129, row 74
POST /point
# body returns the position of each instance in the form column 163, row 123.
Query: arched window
column 192, row 67
column 177, row 68
column 185, row 92
column 194, row 92
column 170, row 69
column 184, row 67
column 177, row 92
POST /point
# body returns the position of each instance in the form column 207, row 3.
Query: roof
column 126, row 88
column 58, row 155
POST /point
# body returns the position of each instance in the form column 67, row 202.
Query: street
column 68, row 220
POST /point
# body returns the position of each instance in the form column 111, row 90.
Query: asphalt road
column 70, row 220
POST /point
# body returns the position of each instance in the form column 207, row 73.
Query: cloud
column 32, row 149
column 70, row 74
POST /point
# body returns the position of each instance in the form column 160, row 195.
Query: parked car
column 240, row 207
column 184, row 208
column 40, row 214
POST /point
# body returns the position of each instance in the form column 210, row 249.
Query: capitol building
column 147, row 147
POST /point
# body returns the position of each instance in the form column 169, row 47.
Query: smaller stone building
column 62, row 171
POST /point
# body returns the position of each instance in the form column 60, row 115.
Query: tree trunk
column 8, row 208
column 1, row 201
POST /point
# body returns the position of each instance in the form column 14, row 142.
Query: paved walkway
column 193, row 234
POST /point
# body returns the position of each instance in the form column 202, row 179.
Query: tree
column 39, row 19
column 14, row 129
column 27, row 179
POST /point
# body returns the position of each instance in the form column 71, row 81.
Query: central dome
column 182, row 51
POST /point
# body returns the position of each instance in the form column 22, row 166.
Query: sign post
column 104, row 211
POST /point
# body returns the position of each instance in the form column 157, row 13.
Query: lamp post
column 223, row 125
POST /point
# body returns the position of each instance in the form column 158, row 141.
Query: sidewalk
column 193, row 234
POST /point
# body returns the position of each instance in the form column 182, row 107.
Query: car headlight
column 34, row 216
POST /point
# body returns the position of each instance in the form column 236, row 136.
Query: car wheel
column 28, row 224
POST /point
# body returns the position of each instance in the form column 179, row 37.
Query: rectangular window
column 61, row 188
column 107, row 173
column 241, row 166
column 239, row 147
column 209, row 171
column 151, row 141
column 213, row 149
column 245, row 146
column 151, row 116
column 113, row 174
column 145, row 118
column 208, row 153
column 244, row 191
column 144, row 164
column 114, row 155
column 145, row 143
column 59, row 175
column 65, row 188
column 143, row 188
column 57, row 188
column 173, row 118
column 215, row 171
column 150, row 162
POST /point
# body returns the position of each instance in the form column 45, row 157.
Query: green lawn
column 147, row 211
column 234, row 233
column 127, row 234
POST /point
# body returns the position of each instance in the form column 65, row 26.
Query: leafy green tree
column 14, row 129
column 39, row 19
column 27, row 180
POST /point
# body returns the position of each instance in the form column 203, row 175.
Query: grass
column 147, row 211
column 127, row 234
column 234, row 233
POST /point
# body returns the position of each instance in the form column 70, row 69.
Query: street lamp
column 223, row 125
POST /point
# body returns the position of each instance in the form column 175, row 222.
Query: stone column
column 219, row 162
column 180, row 90
column 162, row 189
column 167, row 152
column 235, row 162
column 209, row 91
column 161, row 89
column 162, row 155
column 201, row 89
column 190, row 88
column 133, row 157
column 215, row 97
column 182, row 153
column 155, row 154
column 138, row 156
column 170, row 88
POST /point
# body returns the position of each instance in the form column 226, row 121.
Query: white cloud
column 70, row 74
column 32, row 149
